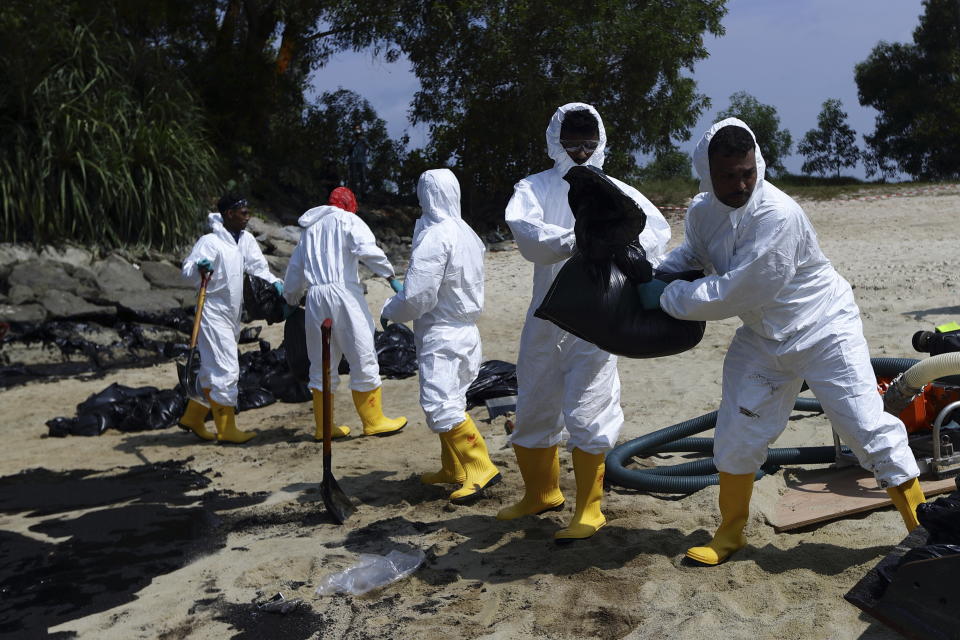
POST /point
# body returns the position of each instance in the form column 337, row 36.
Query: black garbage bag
column 607, row 219
column 287, row 388
column 86, row 425
column 254, row 398
column 926, row 552
column 611, row 316
column 941, row 518
column 249, row 334
column 261, row 300
column 496, row 379
column 396, row 351
column 295, row 345
column 160, row 410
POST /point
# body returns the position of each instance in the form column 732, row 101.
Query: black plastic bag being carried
column 261, row 301
column 594, row 295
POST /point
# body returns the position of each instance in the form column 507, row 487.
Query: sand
column 489, row 579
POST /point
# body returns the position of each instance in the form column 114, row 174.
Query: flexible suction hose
column 689, row 477
column 908, row 384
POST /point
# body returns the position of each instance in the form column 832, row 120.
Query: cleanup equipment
column 187, row 371
column 337, row 503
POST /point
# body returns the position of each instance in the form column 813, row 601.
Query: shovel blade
column 337, row 503
column 190, row 383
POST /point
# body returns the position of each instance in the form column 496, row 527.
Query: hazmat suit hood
column 701, row 162
column 439, row 193
column 561, row 159
column 311, row 216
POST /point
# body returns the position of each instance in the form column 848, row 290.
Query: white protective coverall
column 800, row 322
column 325, row 264
column 443, row 296
column 220, row 324
column 564, row 381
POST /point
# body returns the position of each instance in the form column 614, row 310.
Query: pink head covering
column 343, row 198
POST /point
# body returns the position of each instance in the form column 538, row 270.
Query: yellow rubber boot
column 587, row 518
column 471, row 452
column 193, row 419
column 370, row 408
column 540, row 469
column 735, row 492
column 226, row 421
column 335, row 431
column 905, row 498
column 451, row 471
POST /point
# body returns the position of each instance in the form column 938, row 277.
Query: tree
column 762, row 119
column 493, row 72
column 915, row 89
column 832, row 145
column 667, row 165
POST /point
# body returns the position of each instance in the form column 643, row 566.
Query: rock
column 278, row 265
column 186, row 297
column 20, row 294
column 22, row 313
column 63, row 304
column 282, row 248
column 289, row 233
column 73, row 256
column 259, row 227
column 144, row 306
column 11, row 254
column 38, row 276
column 116, row 274
column 163, row 275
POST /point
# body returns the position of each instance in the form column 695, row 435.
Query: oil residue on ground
column 116, row 531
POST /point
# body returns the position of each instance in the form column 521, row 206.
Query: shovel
column 337, row 503
column 188, row 380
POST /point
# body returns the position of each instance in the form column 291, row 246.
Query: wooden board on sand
column 818, row 495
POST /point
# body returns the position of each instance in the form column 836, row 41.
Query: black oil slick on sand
column 102, row 536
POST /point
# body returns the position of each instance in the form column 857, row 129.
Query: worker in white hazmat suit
column 227, row 252
column 325, row 264
column 800, row 322
column 565, row 381
column 443, row 296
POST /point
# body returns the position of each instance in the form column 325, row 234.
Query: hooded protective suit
column 565, row 381
column 220, row 326
column 443, row 296
column 800, row 322
column 325, row 264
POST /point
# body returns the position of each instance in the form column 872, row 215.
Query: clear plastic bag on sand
column 372, row 571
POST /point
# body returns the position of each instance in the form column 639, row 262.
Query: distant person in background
column 800, row 323
column 357, row 163
column 443, row 296
column 227, row 252
column 564, row 381
column 325, row 264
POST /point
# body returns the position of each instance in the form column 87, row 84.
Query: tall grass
column 88, row 155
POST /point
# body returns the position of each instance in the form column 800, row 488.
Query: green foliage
column 916, row 90
column 762, row 119
column 493, row 72
column 832, row 145
column 89, row 150
column 666, row 165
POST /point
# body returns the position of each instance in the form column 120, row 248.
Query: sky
column 792, row 55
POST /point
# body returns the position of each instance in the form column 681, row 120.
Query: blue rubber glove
column 205, row 266
column 396, row 285
column 650, row 293
column 278, row 285
column 384, row 321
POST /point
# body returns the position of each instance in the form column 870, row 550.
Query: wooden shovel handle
column 325, row 330
column 201, row 297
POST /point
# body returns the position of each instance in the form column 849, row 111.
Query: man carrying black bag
column 564, row 381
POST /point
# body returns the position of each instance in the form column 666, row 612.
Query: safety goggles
column 575, row 145
column 239, row 204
